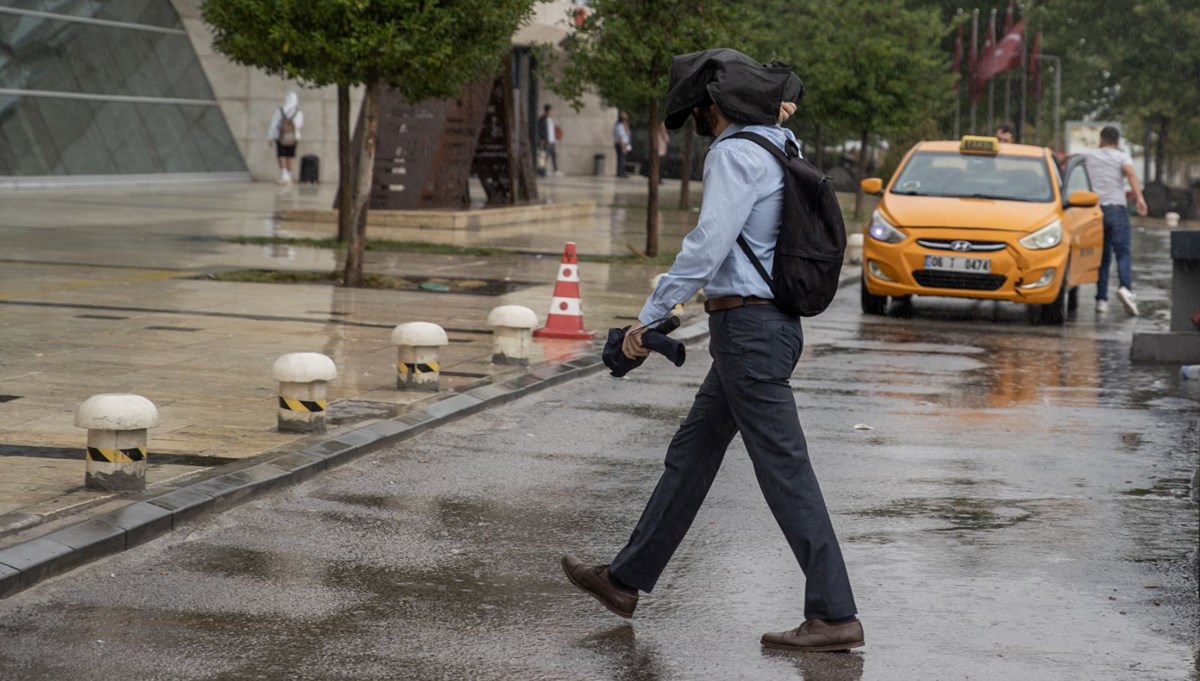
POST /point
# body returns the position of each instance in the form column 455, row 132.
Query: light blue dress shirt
column 743, row 194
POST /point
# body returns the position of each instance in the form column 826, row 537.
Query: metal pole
column 974, row 48
column 1024, row 91
column 1057, row 97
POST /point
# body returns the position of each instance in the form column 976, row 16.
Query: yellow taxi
column 976, row 218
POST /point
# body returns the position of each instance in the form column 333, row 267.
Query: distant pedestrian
column 1109, row 168
column 284, row 133
column 754, row 347
column 1005, row 133
column 622, row 142
column 548, row 135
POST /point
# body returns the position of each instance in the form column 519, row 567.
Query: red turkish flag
column 1004, row 55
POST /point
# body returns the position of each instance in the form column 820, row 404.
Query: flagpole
column 992, row 80
column 1057, row 95
column 1024, row 90
column 974, row 47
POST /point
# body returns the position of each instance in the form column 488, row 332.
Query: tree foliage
column 623, row 51
column 423, row 49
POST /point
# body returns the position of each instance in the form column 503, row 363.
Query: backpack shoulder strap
column 782, row 158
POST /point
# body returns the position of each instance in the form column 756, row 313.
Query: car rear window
column 1009, row 178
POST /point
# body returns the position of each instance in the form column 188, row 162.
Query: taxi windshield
column 1006, row 178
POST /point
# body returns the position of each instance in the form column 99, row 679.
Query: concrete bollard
column 303, row 378
column 417, row 366
column 1172, row 219
column 116, row 440
column 512, row 326
column 854, row 248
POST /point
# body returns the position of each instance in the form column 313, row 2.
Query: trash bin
column 598, row 165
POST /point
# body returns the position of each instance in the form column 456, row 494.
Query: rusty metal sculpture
column 426, row 152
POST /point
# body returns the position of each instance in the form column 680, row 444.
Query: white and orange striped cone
column 566, row 317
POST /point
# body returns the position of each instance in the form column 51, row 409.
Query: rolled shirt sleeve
column 732, row 183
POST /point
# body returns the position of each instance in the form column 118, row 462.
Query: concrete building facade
column 132, row 91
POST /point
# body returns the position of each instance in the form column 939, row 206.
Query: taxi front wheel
column 871, row 303
column 1055, row 312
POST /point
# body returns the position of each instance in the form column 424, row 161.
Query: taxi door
column 1085, row 226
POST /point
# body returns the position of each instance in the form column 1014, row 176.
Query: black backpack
column 812, row 236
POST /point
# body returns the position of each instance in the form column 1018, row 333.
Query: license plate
column 956, row 264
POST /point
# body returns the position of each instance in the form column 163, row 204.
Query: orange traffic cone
column 566, row 319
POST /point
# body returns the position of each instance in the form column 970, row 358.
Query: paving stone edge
column 25, row 564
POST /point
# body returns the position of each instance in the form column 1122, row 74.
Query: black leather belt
column 729, row 302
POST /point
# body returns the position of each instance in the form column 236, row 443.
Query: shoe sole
column 815, row 649
column 1129, row 305
column 606, row 604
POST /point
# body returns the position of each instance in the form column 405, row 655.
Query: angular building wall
column 248, row 97
column 106, row 90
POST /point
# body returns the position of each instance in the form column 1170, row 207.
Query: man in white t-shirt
column 1109, row 168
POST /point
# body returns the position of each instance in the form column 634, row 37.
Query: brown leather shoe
column 817, row 635
column 595, row 581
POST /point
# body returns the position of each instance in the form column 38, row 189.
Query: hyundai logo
column 960, row 245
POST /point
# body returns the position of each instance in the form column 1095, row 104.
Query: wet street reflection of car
column 979, row 219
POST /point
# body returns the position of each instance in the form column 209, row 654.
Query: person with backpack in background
column 284, row 133
column 754, row 344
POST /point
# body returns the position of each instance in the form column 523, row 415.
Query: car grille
column 960, row 280
column 946, row 245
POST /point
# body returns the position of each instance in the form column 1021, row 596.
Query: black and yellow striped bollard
column 418, row 345
column 303, row 378
column 117, row 426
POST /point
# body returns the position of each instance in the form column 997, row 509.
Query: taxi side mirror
column 1083, row 199
column 874, row 185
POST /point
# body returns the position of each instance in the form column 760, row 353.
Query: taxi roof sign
column 976, row 144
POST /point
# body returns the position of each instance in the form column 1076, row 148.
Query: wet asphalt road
column 1017, row 510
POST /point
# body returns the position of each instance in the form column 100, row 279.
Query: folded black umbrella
column 744, row 90
column 654, row 339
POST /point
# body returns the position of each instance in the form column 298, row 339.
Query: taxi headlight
column 1046, row 237
column 882, row 230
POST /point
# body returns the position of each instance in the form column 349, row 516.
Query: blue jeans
column 1117, row 240
column 754, row 350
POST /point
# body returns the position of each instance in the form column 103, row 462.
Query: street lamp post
column 1057, row 97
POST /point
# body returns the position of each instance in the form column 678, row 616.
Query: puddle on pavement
column 1176, row 488
column 344, row 412
column 645, row 411
column 961, row 513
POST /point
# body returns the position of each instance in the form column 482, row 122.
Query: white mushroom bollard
column 417, row 366
column 1172, row 219
column 303, row 378
column 854, row 248
column 512, row 328
column 116, row 440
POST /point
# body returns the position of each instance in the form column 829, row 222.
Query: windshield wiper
column 994, row 197
column 904, row 193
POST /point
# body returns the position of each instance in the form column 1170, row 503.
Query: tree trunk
column 685, row 166
column 652, row 179
column 862, row 173
column 353, row 275
column 818, row 149
column 1160, row 152
column 345, row 186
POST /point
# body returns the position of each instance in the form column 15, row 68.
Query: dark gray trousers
column 754, row 350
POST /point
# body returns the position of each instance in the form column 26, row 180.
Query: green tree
column 423, row 49
column 1135, row 61
column 623, row 51
column 869, row 69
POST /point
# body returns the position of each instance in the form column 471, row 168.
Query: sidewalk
column 104, row 290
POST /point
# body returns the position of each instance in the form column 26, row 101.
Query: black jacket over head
column 745, row 91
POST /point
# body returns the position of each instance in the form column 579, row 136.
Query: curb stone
column 25, row 564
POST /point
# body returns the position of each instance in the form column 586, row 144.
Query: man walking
column 1109, row 168
column 754, row 347
column 548, row 141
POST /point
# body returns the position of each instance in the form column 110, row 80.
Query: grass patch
column 389, row 246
